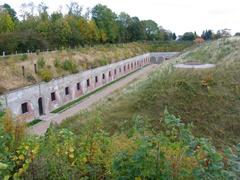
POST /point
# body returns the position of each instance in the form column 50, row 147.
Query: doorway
column 40, row 106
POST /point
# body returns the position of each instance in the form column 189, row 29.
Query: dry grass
column 11, row 74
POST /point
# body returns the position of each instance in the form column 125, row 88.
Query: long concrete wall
column 38, row 100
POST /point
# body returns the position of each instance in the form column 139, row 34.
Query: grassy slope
column 83, row 58
column 210, row 99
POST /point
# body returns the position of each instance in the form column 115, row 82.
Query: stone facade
column 37, row 100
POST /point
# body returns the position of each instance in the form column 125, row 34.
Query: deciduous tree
column 6, row 22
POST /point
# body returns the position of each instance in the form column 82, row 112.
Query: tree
column 237, row 34
column 222, row 33
column 43, row 22
column 207, row 35
column 27, row 10
column 136, row 29
column 92, row 33
column 124, row 21
column 22, row 41
column 174, row 37
column 59, row 32
column 188, row 36
column 74, row 9
column 11, row 12
column 75, row 37
column 106, row 21
column 42, row 10
column 163, row 34
column 6, row 22
column 151, row 29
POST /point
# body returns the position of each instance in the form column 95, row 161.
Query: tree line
column 100, row 24
column 206, row 35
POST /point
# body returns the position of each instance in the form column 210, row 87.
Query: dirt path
column 41, row 128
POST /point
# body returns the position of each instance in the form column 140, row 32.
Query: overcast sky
column 176, row 15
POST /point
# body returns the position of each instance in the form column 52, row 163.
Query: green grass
column 72, row 103
column 1, row 114
column 33, row 122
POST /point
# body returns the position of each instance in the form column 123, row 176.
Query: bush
column 69, row 65
column 103, row 62
column 173, row 153
column 23, row 57
column 57, row 63
column 16, row 152
column 38, row 51
column 46, row 75
column 41, row 63
column 31, row 78
column 21, row 42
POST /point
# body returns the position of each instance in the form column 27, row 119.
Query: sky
column 178, row 16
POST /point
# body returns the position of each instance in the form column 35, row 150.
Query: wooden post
column 35, row 68
column 23, row 71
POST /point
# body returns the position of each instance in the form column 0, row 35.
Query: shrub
column 57, row 63
column 22, row 41
column 23, row 57
column 38, row 51
column 69, row 65
column 46, row 75
column 31, row 78
column 16, row 153
column 103, row 62
column 41, row 63
column 173, row 153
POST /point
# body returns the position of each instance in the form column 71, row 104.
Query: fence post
column 23, row 71
column 35, row 68
column 3, row 53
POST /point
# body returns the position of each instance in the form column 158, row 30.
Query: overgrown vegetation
column 173, row 153
column 68, row 61
column 41, row 63
column 23, row 57
column 208, row 98
column 45, row 74
column 69, row 65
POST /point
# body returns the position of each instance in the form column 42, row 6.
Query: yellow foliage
column 8, row 124
column 138, row 178
column 71, row 149
column 177, row 156
column 208, row 80
column 71, row 156
column 118, row 144
column 15, row 128
column 21, row 157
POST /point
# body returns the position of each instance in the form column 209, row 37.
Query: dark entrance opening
column 40, row 106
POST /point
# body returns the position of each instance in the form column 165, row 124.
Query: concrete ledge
column 196, row 66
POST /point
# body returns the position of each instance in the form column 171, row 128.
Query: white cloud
column 175, row 15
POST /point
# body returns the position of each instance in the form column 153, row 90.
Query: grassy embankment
column 63, row 62
column 210, row 99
